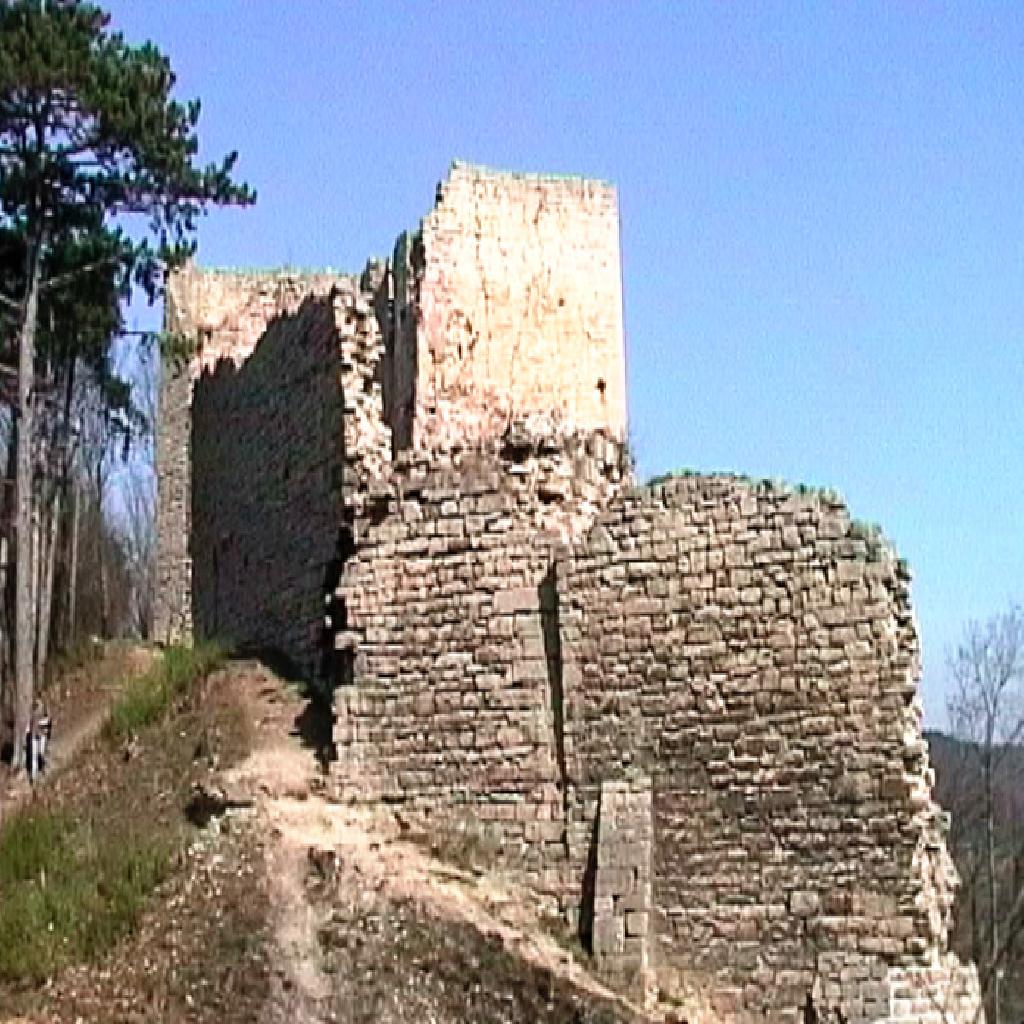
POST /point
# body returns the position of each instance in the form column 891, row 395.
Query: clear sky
column 822, row 220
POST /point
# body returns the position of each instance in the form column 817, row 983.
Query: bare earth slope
column 287, row 907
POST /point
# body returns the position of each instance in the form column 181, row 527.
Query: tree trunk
column 6, row 682
column 101, row 557
column 993, row 904
column 37, row 562
column 63, row 627
column 49, row 560
column 23, row 647
column 976, row 951
column 76, row 516
column 7, row 703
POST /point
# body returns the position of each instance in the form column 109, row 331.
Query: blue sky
column 822, row 220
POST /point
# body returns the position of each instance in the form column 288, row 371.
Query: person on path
column 40, row 728
column 44, row 730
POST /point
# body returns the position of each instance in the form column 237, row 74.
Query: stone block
column 507, row 602
column 609, row 936
column 636, row 923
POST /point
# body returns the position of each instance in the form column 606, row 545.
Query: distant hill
column 958, row 782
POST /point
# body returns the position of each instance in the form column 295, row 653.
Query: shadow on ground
column 314, row 725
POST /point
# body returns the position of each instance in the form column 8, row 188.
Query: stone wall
column 456, row 706
column 687, row 712
column 172, row 596
column 694, row 722
column 221, row 315
column 619, row 866
column 284, row 443
column 267, row 474
column 508, row 301
column 754, row 652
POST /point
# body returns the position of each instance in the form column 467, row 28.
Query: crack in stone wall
column 448, row 604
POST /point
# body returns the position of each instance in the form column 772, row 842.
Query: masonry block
column 622, row 868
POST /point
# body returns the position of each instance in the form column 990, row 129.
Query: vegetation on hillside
column 77, row 866
column 100, row 193
column 149, row 696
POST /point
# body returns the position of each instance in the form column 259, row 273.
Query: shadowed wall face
column 223, row 314
column 267, row 458
column 270, row 432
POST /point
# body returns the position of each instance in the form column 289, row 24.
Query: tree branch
column 62, row 279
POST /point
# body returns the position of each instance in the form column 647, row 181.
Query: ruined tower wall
column 267, row 474
column 508, row 301
column 284, row 448
column 222, row 315
column 753, row 653
column 172, row 593
column 697, row 726
column 696, row 723
column 455, row 706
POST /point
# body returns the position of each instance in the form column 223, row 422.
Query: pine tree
column 99, row 189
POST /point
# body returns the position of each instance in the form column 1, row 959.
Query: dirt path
column 320, row 854
column 80, row 706
column 286, row 906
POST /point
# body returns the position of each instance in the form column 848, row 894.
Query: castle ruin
column 685, row 713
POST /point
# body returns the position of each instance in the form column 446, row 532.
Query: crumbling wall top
column 225, row 312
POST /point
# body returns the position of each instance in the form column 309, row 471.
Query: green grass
column 147, row 698
column 71, row 884
column 69, row 890
column 26, row 844
column 672, row 474
column 828, row 494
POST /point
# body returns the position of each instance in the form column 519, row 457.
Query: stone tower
column 685, row 714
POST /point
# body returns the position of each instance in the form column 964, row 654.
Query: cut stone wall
column 283, row 444
column 449, row 605
column 508, row 301
column 172, row 595
column 946, row 992
column 687, row 712
column 754, row 652
column 619, row 919
column 695, row 723
column 532, row 261
column 222, row 315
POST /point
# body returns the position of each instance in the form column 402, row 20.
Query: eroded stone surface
column 620, row 865
column 754, row 651
column 509, row 302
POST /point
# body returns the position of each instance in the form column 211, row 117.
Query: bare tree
column 105, row 431
column 986, row 709
column 136, row 489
